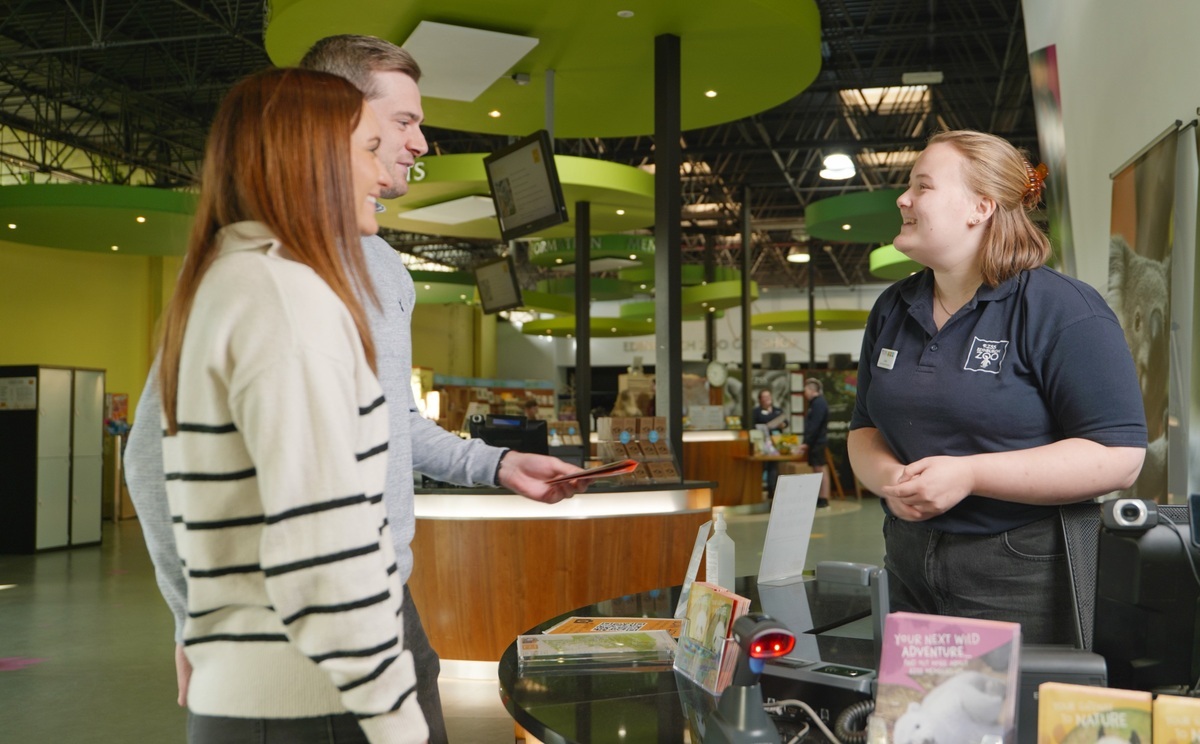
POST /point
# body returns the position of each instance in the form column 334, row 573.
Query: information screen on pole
column 498, row 287
column 525, row 186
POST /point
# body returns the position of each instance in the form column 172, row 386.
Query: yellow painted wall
column 444, row 339
column 80, row 309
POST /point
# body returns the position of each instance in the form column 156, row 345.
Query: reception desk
column 489, row 564
column 653, row 703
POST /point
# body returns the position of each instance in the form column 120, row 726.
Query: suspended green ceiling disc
column 644, row 310
column 601, row 327
column 797, row 320
column 754, row 54
column 872, row 217
column 608, row 187
column 602, row 288
column 444, row 287
column 95, row 217
column 606, row 251
column 703, row 298
column 888, row 263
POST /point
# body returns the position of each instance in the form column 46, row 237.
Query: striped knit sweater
column 275, row 481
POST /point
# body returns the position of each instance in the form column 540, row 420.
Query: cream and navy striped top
column 275, row 480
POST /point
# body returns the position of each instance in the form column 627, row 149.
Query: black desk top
column 655, row 704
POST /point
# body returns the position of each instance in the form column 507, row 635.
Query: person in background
column 772, row 416
column 991, row 389
column 275, row 429
column 531, row 409
column 816, row 430
column 388, row 77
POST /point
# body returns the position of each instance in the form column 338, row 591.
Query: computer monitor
column 525, row 186
column 498, row 287
column 1147, row 595
column 514, row 432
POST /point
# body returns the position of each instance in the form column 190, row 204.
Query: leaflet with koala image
column 947, row 680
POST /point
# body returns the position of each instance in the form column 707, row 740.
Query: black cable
column 851, row 723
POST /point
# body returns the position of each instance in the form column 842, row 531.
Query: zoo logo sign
column 986, row 356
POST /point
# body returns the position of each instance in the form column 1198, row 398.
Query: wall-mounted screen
column 498, row 287
column 525, row 186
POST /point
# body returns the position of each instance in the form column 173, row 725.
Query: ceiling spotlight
column 141, row 219
column 12, row 226
column 494, row 114
column 710, row 93
column 838, row 167
column 620, row 211
column 115, row 248
column 798, row 255
column 846, row 226
column 624, row 14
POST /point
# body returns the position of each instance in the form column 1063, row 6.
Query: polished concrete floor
column 86, row 641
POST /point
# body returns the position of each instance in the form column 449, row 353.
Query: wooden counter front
column 479, row 581
column 724, row 462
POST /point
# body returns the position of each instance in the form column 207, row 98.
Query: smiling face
column 371, row 179
column 941, row 215
column 398, row 107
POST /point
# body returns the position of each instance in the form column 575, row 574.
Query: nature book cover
column 1176, row 720
column 948, row 679
column 711, row 611
column 617, row 624
column 1075, row 714
column 574, row 650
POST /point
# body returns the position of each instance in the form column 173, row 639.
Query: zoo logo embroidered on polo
column 986, row 356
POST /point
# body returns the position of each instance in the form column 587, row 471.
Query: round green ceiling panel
column 713, row 296
column 601, row 327
column 137, row 220
column 645, row 310
column 753, row 55
column 444, row 287
column 690, row 274
column 888, row 263
column 602, row 289
column 636, row 249
column 860, row 217
column 797, row 320
column 448, row 195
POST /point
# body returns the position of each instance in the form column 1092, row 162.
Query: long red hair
column 278, row 153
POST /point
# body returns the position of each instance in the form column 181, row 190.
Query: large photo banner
column 1047, row 109
column 1139, row 282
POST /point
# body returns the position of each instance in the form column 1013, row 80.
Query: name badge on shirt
column 887, row 358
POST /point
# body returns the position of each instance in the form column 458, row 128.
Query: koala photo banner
column 1139, row 284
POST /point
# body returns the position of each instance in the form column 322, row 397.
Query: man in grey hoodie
column 388, row 77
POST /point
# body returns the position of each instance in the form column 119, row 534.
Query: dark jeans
column 339, row 729
column 1017, row 576
column 771, row 472
column 425, row 661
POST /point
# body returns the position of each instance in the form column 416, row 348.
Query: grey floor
column 86, row 646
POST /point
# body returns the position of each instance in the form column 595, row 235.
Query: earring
column 975, row 221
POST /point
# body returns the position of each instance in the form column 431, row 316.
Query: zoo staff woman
column 990, row 390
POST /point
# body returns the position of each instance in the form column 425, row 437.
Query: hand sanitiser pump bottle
column 718, row 554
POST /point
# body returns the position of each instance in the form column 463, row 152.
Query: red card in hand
column 603, row 471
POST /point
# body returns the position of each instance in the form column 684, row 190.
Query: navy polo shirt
column 1035, row 360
